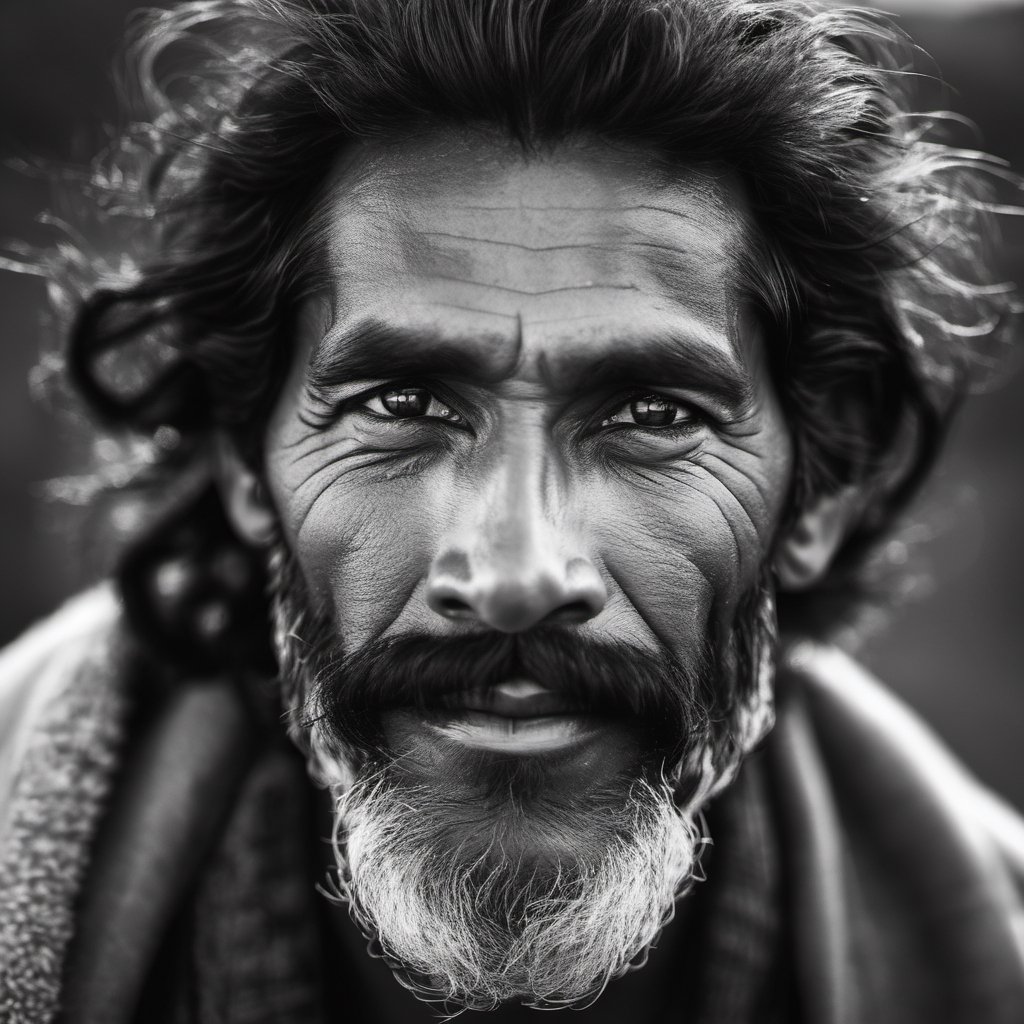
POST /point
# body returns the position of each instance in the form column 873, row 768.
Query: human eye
column 652, row 411
column 408, row 401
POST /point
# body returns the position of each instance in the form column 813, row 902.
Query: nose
column 517, row 563
column 515, row 596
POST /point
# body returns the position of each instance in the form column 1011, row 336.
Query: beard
column 505, row 887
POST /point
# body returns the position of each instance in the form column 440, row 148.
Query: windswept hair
column 869, row 273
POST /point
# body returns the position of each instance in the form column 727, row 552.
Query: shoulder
column 871, row 739
column 901, row 860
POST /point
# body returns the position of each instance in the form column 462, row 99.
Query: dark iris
column 653, row 411
column 406, row 401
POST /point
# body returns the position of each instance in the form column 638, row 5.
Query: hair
column 871, row 279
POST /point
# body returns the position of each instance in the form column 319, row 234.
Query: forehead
column 531, row 257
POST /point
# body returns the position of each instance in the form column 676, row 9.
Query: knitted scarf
column 62, row 768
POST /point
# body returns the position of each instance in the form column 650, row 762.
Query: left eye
column 651, row 411
column 410, row 403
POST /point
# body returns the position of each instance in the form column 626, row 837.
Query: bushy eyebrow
column 660, row 359
column 372, row 350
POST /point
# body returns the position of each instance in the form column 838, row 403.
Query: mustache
column 350, row 691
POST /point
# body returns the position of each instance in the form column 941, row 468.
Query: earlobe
column 804, row 555
column 245, row 499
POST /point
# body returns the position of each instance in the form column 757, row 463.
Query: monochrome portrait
column 511, row 509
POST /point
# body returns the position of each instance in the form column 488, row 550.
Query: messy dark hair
column 870, row 280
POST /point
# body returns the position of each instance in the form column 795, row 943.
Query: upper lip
column 514, row 699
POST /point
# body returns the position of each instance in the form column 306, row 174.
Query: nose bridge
column 520, row 559
column 523, row 510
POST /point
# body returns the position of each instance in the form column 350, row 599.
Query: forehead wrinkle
column 456, row 307
column 474, row 254
column 567, row 246
column 584, row 286
column 668, row 262
column 396, row 195
column 618, row 219
column 564, row 208
column 470, row 248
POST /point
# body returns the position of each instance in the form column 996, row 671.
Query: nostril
column 573, row 611
column 453, row 606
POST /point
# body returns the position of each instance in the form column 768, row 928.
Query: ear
column 805, row 553
column 245, row 499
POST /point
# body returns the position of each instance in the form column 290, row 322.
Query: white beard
column 476, row 932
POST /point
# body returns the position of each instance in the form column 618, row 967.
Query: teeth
column 515, row 725
column 520, row 689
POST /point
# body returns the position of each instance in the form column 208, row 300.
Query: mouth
column 519, row 716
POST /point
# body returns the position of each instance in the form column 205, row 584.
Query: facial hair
column 463, row 914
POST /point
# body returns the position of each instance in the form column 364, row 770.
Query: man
column 540, row 361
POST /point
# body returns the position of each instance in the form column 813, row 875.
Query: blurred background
column 955, row 650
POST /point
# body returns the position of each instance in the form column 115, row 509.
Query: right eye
column 652, row 412
column 409, row 402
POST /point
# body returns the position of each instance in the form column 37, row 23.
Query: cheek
column 363, row 547
column 683, row 546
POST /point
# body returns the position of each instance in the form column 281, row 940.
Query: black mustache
column 609, row 678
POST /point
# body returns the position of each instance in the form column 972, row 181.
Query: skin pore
column 535, row 396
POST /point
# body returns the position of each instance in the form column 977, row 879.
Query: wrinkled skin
column 527, row 287
column 532, row 300
column 534, row 395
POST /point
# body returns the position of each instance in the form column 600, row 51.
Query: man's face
column 533, row 415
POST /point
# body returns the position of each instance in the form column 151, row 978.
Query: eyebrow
column 372, row 349
column 665, row 359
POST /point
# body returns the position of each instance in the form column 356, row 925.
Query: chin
column 487, row 876
column 534, row 877
column 531, row 795
column 538, row 899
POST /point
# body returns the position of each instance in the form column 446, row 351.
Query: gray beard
column 482, row 930
column 472, row 928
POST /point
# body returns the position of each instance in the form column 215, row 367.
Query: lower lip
column 543, row 734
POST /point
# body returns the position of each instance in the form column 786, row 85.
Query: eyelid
column 366, row 391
